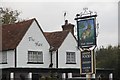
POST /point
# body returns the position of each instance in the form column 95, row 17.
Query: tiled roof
column 12, row 34
column 55, row 39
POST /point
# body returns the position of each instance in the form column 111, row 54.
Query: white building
column 64, row 51
column 27, row 50
column 24, row 46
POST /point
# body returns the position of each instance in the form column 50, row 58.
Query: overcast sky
column 50, row 15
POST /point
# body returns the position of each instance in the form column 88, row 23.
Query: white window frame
column 35, row 57
column 70, row 58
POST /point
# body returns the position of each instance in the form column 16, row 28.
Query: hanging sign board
column 87, row 62
column 86, row 32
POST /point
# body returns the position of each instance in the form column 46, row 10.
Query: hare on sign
column 86, row 33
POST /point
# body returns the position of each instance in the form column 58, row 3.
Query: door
column 35, row 76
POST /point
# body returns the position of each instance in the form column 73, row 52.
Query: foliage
column 9, row 16
column 50, row 76
column 108, row 58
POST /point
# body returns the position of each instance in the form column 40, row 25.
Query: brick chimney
column 68, row 26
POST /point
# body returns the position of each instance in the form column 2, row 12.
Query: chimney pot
column 66, row 22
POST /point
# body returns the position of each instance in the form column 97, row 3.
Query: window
column 70, row 58
column 35, row 57
column 4, row 57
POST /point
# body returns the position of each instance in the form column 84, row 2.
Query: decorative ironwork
column 86, row 12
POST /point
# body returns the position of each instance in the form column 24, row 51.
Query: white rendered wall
column 69, row 45
column 54, row 59
column 26, row 45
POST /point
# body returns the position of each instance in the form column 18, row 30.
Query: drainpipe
column 51, row 59
column 15, row 58
column 51, row 62
column 57, row 58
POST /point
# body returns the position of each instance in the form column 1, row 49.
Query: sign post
column 86, row 34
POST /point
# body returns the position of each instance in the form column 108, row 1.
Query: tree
column 8, row 15
column 109, row 58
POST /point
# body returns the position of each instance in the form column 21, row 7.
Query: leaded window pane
column 4, row 57
column 35, row 56
column 70, row 57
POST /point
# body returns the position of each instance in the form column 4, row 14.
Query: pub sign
column 86, row 32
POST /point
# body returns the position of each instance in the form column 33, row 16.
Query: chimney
column 68, row 26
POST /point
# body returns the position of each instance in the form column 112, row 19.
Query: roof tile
column 55, row 39
column 12, row 34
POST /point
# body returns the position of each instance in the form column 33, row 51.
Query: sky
column 50, row 16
